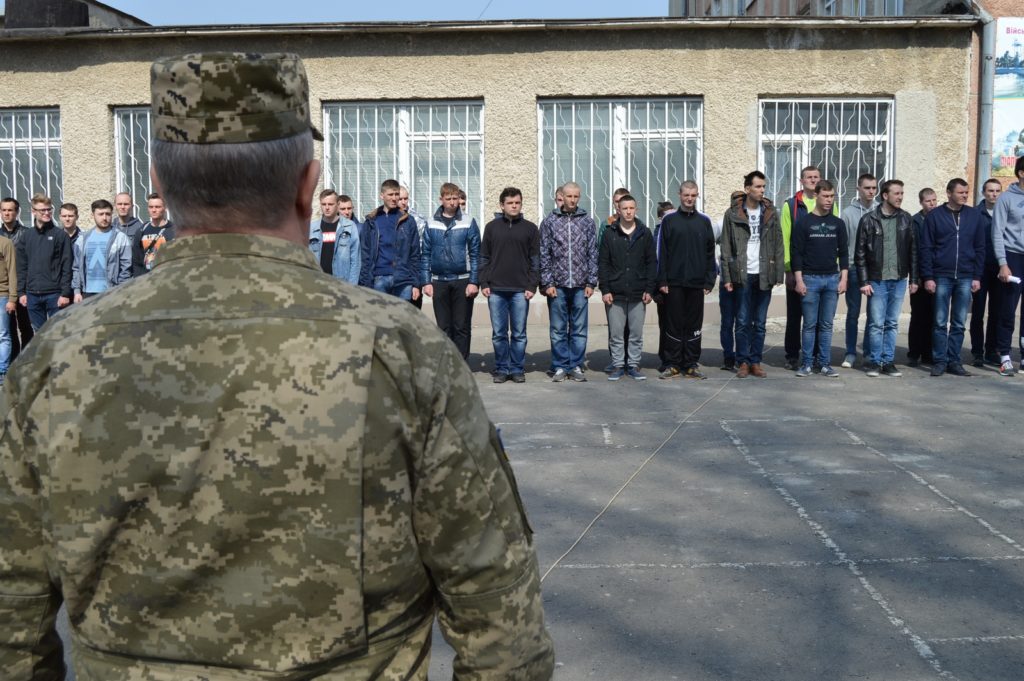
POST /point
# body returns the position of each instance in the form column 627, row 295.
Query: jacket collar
column 438, row 214
column 209, row 246
column 617, row 226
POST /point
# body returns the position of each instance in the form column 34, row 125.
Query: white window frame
column 799, row 143
column 22, row 183
column 406, row 137
column 621, row 136
column 131, row 163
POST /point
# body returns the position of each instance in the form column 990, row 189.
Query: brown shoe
column 743, row 371
column 758, row 371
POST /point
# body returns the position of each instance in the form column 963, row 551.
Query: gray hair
column 212, row 186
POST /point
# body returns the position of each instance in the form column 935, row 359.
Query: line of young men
column 46, row 267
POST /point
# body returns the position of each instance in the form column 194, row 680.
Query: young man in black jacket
column 885, row 255
column 626, row 270
column 509, row 276
column 686, row 273
column 44, row 264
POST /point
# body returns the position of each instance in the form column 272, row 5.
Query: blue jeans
column 884, row 308
column 568, row 317
column 854, row 299
column 952, row 301
column 818, row 308
column 728, row 302
column 41, row 308
column 508, row 309
column 751, row 313
column 5, row 340
column 386, row 284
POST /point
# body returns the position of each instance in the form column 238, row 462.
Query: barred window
column 420, row 144
column 649, row 146
column 843, row 138
column 30, row 156
column 132, row 143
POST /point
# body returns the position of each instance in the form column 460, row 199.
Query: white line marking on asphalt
column 807, row 474
column 978, row 639
column 739, row 565
column 922, row 648
column 607, row 433
column 933, row 489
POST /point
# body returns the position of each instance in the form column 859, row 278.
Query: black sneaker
column 938, row 369
column 958, row 370
column 872, row 369
column 979, row 361
column 694, row 373
column 891, row 370
column 499, row 378
column 728, row 365
column 913, row 362
column 519, row 378
column 992, row 359
column 791, row 364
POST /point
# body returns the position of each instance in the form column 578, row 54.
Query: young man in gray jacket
column 102, row 256
column 867, row 189
column 1008, row 244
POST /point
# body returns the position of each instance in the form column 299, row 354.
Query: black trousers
column 454, row 312
column 21, row 329
column 922, row 322
column 983, row 332
column 659, row 302
column 684, row 309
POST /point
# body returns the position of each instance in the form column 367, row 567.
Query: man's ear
column 307, row 185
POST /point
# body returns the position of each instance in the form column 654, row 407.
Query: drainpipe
column 983, row 164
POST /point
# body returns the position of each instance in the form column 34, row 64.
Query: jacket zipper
column 956, row 264
column 568, row 224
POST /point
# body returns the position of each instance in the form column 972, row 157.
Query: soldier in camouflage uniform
column 234, row 468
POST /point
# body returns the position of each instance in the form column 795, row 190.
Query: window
column 30, row 156
column 420, row 144
column 648, row 146
column 860, row 8
column 132, row 144
column 844, row 138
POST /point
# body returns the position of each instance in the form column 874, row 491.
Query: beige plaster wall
column 926, row 70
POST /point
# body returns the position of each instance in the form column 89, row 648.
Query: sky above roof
column 317, row 11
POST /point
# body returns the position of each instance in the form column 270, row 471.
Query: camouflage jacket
column 234, row 468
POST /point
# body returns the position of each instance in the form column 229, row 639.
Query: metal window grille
column 30, row 155
column 420, row 144
column 843, row 138
column 133, row 141
column 647, row 145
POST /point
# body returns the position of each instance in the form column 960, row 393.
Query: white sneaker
column 848, row 361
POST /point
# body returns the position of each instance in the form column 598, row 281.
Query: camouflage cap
column 229, row 98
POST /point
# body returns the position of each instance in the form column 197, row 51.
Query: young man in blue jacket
column 334, row 240
column 952, row 258
column 449, row 269
column 390, row 245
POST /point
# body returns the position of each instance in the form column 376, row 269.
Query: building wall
column 926, row 70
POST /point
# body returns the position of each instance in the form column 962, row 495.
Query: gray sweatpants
column 619, row 312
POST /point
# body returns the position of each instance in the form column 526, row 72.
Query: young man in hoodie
column 124, row 220
column 753, row 263
column 12, row 230
column 686, row 273
column 334, row 240
column 509, row 275
column 885, row 255
column 449, row 269
column 44, row 256
column 1008, row 244
column 983, row 331
column 568, row 274
column 626, row 268
column 390, row 245
column 867, row 189
column 820, row 262
column 952, row 258
column 922, row 303
column 102, row 257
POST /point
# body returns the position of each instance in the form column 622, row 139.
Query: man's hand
column 487, row 292
column 867, row 290
column 728, row 287
column 24, row 301
column 588, row 291
column 63, row 301
column 975, row 286
column 78, row 297
column 428, row 290
column 913, row 289
column 707, row 291
column 608, row 298
column 664, row 289
column 551, row 292
column 526, row 294
column 929, row 285
column 800, row 287
column 1004, row 273
column 842, row 285
column 647, row 299
column 416, row 293
column 11, row 307
column 472, row 290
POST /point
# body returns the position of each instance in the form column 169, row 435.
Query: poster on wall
column 1008, row 107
